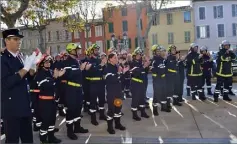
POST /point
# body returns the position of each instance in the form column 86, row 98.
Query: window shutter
column 234, row 28
column 129, row 43
column 198, row 31
column 136, row 42
column 141, row 23
column 233, row 10
column 208, row 31
column 215, row 12
column 108, row 44
column 221, row 11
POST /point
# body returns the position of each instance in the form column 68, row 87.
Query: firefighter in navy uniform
column 73, row 89
column 86, row 82
column 97, row 87
column 112, row 77
column 224, row 72
column 137, row 85
column 15, row 98
column 158, row 69
column 46, row 81
column 172, row 73
column 206, row 68
column 194, row 71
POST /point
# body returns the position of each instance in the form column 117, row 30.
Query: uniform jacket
column 96, row 70
column 136, row 69
column 158, row 67
column 171, row 64
column 207, row 64
column 15, row 101
column 193, row 64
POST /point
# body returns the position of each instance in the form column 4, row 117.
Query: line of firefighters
column 69, row 84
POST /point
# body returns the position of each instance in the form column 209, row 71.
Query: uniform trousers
column 137, row 90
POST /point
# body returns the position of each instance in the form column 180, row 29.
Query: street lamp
column 88, row 27
column 112, row 42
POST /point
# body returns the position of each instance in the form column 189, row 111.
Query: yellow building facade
column 173, row 26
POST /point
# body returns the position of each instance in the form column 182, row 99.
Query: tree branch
column 23, row 7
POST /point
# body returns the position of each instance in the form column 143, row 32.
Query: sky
column 103, row 3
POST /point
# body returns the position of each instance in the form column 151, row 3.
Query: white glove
column 37, row 59
column 29, row 61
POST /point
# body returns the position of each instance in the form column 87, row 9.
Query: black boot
column 93, row 119
column 216, row 95
column 188, row 91
column 176, row 101
column 110, row 127
column 52, row 138
column 164, row 107
column 78, row 128
column 56, row 130
column 70, row 134
column 231, row 92
column 102, row 114
column 168, row 104
column 43, row 137
column 155, row 111
column 194, row 97
column 135, row 116
column 118, row 124
column 226, row 97
column 209, row 92
column 180, row 99
column 143, row 113
column 86, row 107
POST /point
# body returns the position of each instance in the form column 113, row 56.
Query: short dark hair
column 111, row 55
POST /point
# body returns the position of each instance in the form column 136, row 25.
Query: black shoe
column 43, row 138
column 168, row 104
column 70, row 134
column 102, row 115
column 135, row 116
column 56, row 130
column 93, row 119
column 176, row 101
column 110, row 127
column 181, row 99
column 194, row 97
column 164, row 107
column 118, row 124
column 155, row 111
column 78, row 128
column 202, row 98
column 143, row 113
column 215, row 99
column 227, row 98
column 231, row 93
column 52, row 138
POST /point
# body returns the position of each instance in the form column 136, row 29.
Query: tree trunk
column 87, row 39
column 41, row 42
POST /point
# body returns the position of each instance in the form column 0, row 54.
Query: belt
column 173, row 71
column 64, row 81
column 137, row 80
column 87, row 78
column 35, row 90
column 95, row 78
column 74, row 84
column 46, row 97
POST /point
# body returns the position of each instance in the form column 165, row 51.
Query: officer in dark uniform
column 206, row 69
column 224, row 72
column 97, row 87
column 86, row 82
column 137, row 85
column 15, row 101
column 114, row 93
column 194, row 71
column 172, row 74
column 46, row 81
column 159, row 81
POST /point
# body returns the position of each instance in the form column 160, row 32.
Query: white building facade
column 215, row 21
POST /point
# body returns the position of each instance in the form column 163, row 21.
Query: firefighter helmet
column 72, row 46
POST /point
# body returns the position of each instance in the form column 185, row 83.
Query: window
column 234, row 29
column 66, row 35
column 89, row 33
column 187, row 38
column 111, row 27
column 202, row 13
column 37, row 42
column 203, row 31
column 29, row 33
column 89, row 43
column 125, row 26
column 100, row 44
column 234, row 10
column 49, row 35
column 187, row 16
column 154, row 39
column 58, row 48
column 124, row 12
column 110, row 13
column 169, row 19
column 221, row 30
column 156, row 20
column 141, row 23
column 76, row 34
column 57, row 35
column 170, row 38
column 218, row 11
column 98, row 31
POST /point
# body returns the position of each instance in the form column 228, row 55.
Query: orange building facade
column 122, row 21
